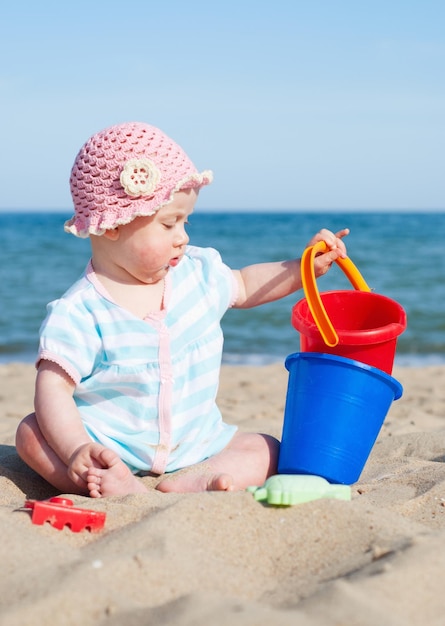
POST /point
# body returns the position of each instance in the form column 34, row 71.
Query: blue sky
column 314, row 104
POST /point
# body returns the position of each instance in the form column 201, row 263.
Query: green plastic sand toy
column 290, row 489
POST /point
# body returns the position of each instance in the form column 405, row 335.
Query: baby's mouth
column 174, row 261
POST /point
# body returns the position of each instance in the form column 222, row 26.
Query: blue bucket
column 335, row 408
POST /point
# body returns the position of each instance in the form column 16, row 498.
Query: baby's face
column 147, row 247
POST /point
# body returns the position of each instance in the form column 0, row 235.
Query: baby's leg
column 113, row 478
column 249, row 459
column 34, row 450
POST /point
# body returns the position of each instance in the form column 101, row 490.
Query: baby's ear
column 112, row 234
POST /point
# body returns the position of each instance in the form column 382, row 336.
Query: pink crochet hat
column 127, row 171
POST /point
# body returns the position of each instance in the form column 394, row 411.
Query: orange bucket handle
column 312, row 294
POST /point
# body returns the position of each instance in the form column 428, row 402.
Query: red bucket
column 358, row 324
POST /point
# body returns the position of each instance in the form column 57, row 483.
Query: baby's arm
column 60, row 423
column 265, row 282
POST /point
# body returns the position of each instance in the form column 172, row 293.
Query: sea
column 399, row 254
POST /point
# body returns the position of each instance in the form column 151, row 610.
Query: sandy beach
column 223, row 558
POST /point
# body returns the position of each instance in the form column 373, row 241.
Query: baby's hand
column 336, row 249
column 85, row 457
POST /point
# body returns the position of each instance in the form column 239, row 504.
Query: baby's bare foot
column 189, row 482
column 114, row 478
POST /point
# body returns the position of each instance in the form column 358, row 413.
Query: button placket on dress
column 165, row 400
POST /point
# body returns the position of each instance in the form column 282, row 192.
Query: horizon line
column 256, row 210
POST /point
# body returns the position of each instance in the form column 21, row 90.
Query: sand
column 223, row 558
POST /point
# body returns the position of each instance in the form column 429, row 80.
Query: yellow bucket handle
column 311, row 292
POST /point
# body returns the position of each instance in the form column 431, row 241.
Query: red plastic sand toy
column 60, row 512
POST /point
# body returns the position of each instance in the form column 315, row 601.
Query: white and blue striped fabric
column 147, row 388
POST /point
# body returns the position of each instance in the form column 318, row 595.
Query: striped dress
column 147, row 388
